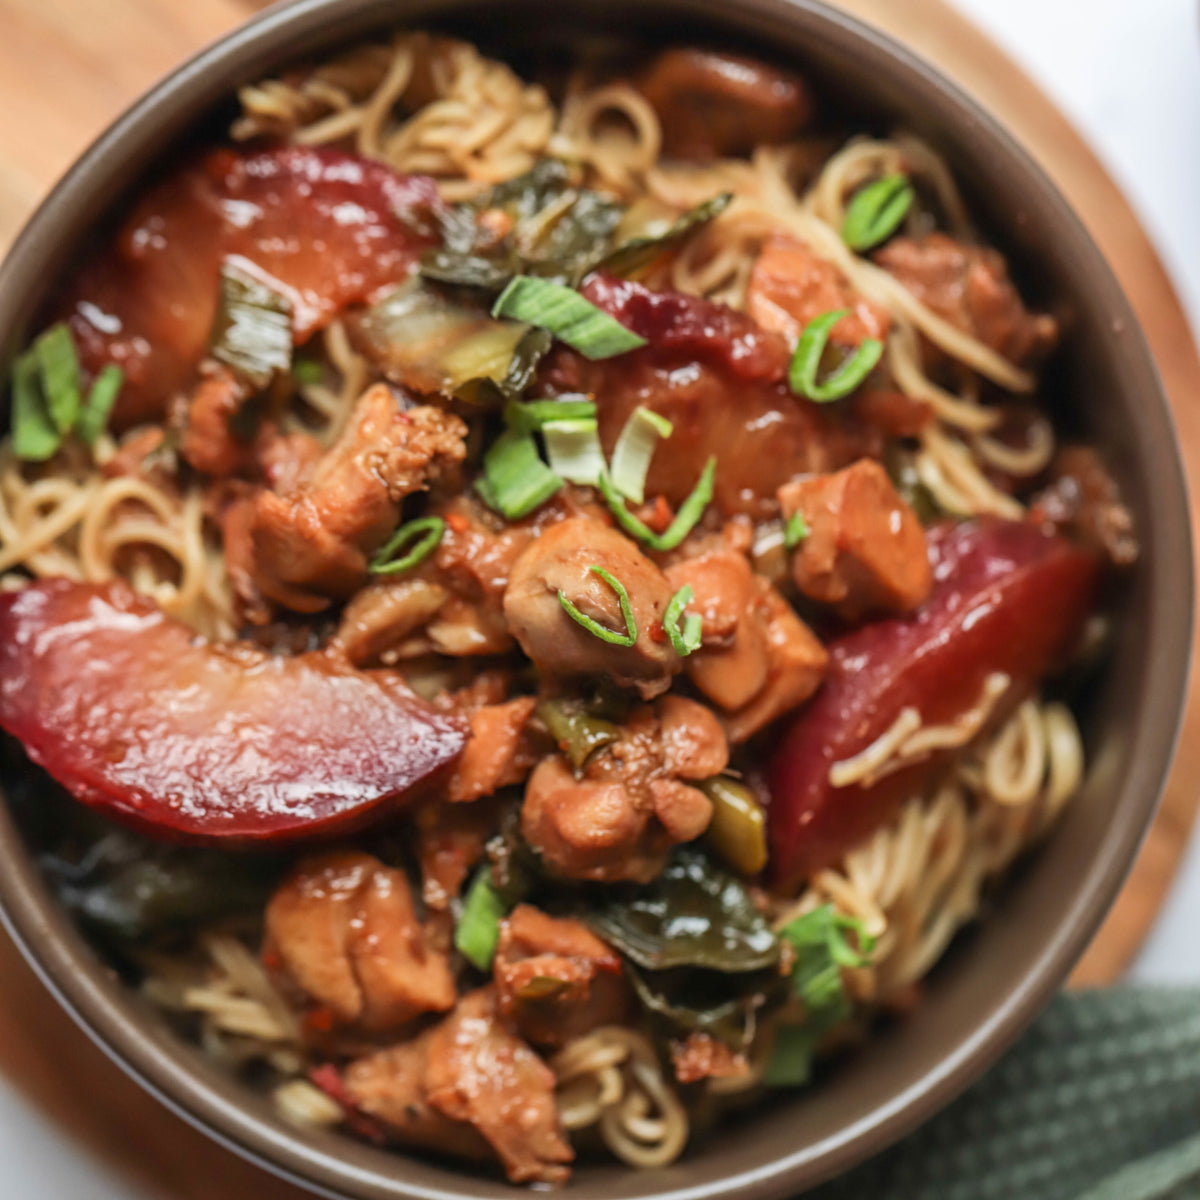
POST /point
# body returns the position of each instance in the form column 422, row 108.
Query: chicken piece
column 467, row 1087
column 313, row 544
column 797, row 662
column 700, row 1056
column 209, row 444
column 561, row 561
column 631, row 805
column 715, row 105
column 384, row 613
column 1084, row 503
column 790, row 286
column 865, row 551
column 969, row 287
column 555, row 979
column 497, row 752
column 451, row 839
column 342, row 930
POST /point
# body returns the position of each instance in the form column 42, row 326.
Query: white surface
column 1128, row 73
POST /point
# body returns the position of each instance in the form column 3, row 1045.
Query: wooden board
column 67, row 67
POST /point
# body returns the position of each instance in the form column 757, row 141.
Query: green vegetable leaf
column 693, row 915
column 99, row 404
column 35, row 436
column 635, row 255
column 795, row 531
column 515, row 479
column 58, row 365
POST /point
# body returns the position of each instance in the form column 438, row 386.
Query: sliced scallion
column 422, row 535
column 594, row 627
column 875, row 212
column 478, row 931
column 517, row 481
column 531, row 415
column 253, row 330
column 795, row 531
column 806, row 362
column 567, row 315
column 684, row 631
column 634, row 449
column 98, row 406
column 573, row 449
column 35, row 438
column 58, row 365
column 690, row 511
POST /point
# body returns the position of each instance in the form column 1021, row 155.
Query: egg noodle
column 438, row 107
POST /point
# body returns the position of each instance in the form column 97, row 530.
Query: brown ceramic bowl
column 1104, row 385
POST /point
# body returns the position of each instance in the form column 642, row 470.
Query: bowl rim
column 100, row 1006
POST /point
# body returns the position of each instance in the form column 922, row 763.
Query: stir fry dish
column 533, row 612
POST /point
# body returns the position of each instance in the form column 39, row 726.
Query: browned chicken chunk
column 555, row 979
column 497, row 753
column 313, row 544
column 632, row 804
column 342, row 930
column 1083, row 501
column 450, row 840
column 561, row 562
column 757, row 659
column 209, row 443
column 790, row 286
column 865, row 549
column 713, row 105
column 700, row 1056
column 969, row 286
column 467, row 1087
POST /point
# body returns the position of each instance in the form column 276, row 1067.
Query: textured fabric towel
column 1099, row 1101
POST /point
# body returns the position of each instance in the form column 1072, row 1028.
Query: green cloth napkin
column 1099, row 1101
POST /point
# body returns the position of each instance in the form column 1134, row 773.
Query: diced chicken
column 756, row 658
column 386, row 612
column 468, row 1087
column 555, row 979
column 797, row 662
column 790, row 287
column 561, row 562
column 497, row 753
column 969, row 286
column 209, row 443
column 1083, row 502
column 451, row 839
column 633, row 801
column 865, row 551
column 700, row 1056
column 342, row 930
column 313, row 544
column 713, row 105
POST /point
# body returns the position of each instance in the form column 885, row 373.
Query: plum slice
column 324, row 228
column 1008, row 597
column 138, row 717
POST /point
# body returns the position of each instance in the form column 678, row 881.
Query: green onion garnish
column 594, row 627
column 423, row 535
column 307, row 370
column 795, row 531
column 516, row 479
column 690, row 511
column 685, row 633
column 634, row 450
column 573, row 449
column 99, row 404
column 806, row 362
column 478, row 929
column 567, row 315
column 35, row 438
column 59, row 367
column 876, row 211
column 822, row 948
column 253, row 329
column 530, row 416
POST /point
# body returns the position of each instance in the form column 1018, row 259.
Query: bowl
column 1000, row 974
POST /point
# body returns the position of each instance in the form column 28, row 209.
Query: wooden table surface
column 67, row 67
